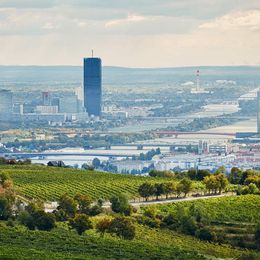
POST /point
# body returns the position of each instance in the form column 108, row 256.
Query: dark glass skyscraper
column 92, row 86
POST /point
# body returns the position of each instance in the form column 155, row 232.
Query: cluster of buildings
column 56, row 108
column 177, row 162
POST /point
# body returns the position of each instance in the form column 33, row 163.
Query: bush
column 205, row 234
column 120, row 204
column 150, row 212
column 170, row 221
column 150, row 222
column 122, row 227
column 5, row 208
column 45, row 221
column 81, row 223
column 102, row 226
column 37, row 219
column 95, row 210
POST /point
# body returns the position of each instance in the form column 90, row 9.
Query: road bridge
column 54, row 154
column 158, row 132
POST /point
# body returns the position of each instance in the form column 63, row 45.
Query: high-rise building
column 92, row 86
column 6, row 102
column 46, row 101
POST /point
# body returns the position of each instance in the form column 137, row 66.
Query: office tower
column 92, row 86
column 258, row 112
column 6, row 102
column 46, row 98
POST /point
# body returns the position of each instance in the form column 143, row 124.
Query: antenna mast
column 92, row 52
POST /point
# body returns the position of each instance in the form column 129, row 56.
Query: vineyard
column 48, row 183
column 149, row 244
column 237, row 209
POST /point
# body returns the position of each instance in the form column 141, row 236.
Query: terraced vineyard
column 244, row 208
column 48, row 183
column 18, row 243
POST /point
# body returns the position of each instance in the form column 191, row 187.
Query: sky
column 130, row 33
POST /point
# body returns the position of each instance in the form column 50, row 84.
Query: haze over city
column 137, row 33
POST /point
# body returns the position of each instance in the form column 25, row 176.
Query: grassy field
column 49, row 183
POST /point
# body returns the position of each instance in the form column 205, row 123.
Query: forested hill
column 126, row 76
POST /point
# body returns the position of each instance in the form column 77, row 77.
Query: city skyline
column 130, row 33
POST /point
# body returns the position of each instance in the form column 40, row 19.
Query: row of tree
column 215, row 183
column 13, row 161
column 238, row 176
column 147, row 156
column 148, row 189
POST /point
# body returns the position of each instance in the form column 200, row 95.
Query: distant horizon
column 129, row 67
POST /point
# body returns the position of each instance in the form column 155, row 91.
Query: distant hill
column 126, row 76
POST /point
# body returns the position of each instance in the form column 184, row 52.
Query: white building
column 129, row 165
column 188, row 160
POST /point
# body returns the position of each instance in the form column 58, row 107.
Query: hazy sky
column 135, row 33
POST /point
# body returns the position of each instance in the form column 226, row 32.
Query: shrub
column 122, row 227
column 81, row 223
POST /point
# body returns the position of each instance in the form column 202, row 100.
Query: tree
column 33, row 217
column 120, row 204
column 146, row 190
column 68, row 204
column 156, row 173
column 84, row 202
column 210, row 183
column 192, row 174
column 96, row 163
column 81, row 223
column 4, row 177
column 257, row 236
column 201, row 174
column 222, row 182
column 253, row 179
column 199, row 213
column 221, row 169
column 184, row 221
column 205, row 234
column 34, row 206
column 87, row 167
column 159, row 189
column 188, row 225
column 26, row 219
column 170, row 188
column 150, row 212
column 252, row 189
column 235, row 175
column 178, row 189
column 44, row 221
column 122, row 227
column 186, row 186
column 95, row 210
column 102, row 226
column 5, row 208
